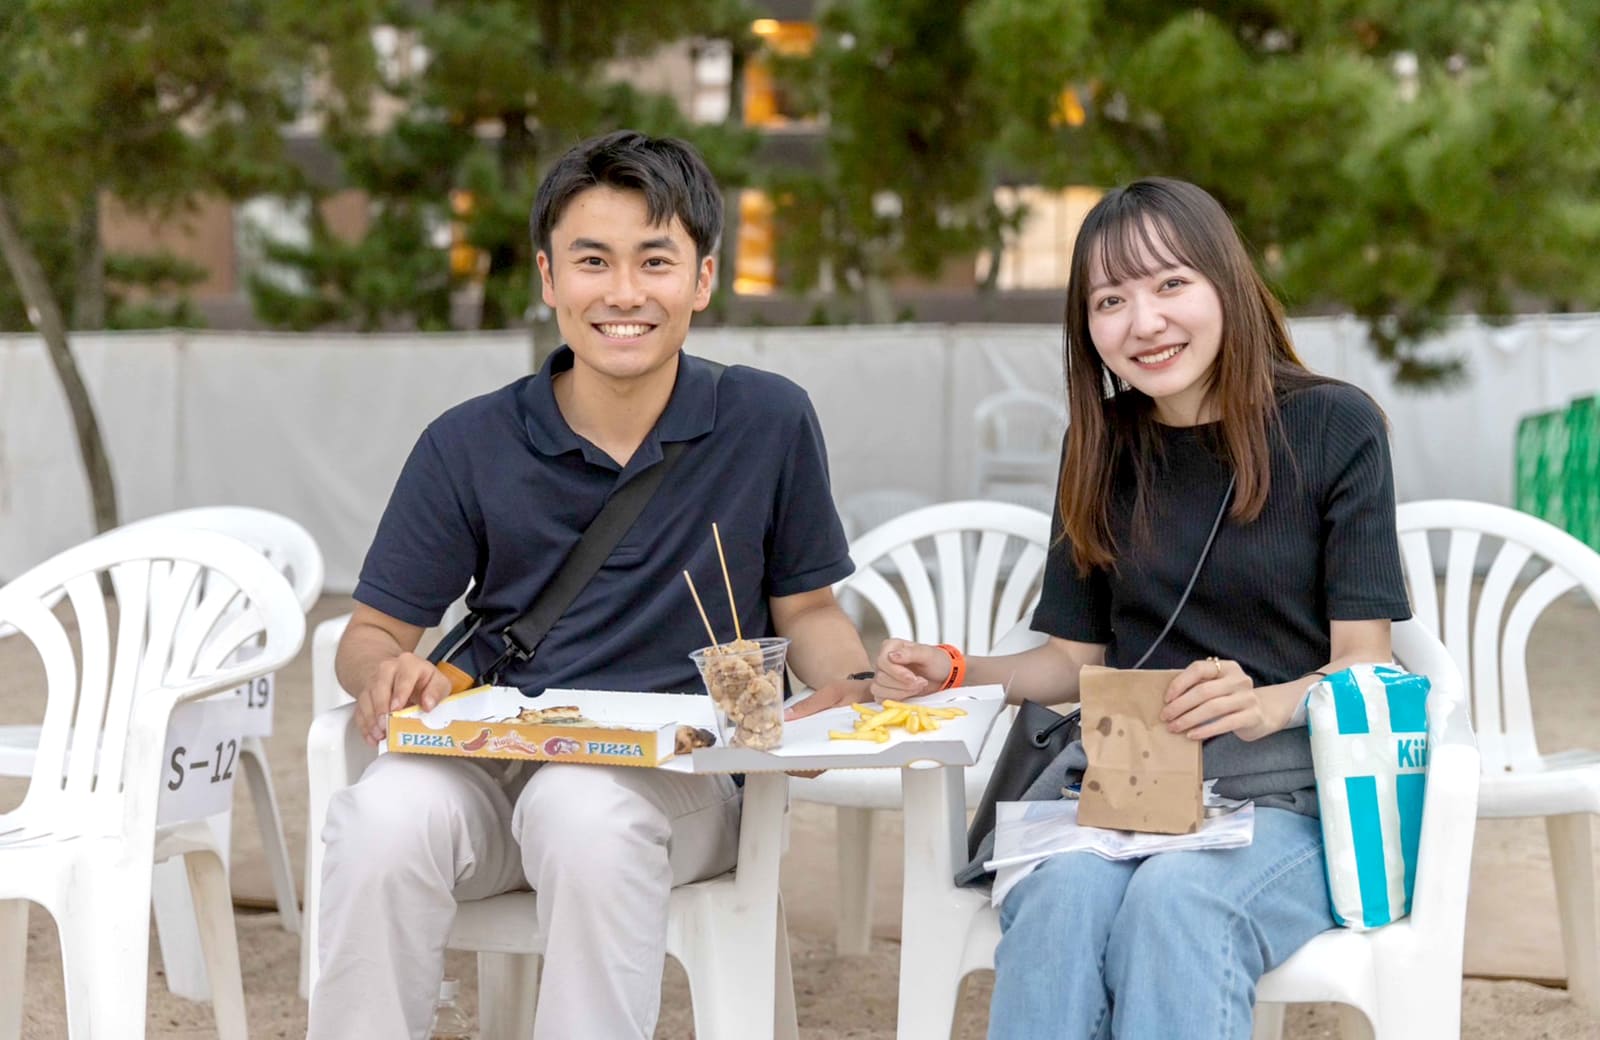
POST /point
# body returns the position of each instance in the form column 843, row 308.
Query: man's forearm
column 823, row 645
column 362, row 650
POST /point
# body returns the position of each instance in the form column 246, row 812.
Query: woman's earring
column 1112, row 385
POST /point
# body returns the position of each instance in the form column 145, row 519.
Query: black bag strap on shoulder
column 522, row 637
column 1041, row 737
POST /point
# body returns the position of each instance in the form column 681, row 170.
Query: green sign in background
column 1558, row 468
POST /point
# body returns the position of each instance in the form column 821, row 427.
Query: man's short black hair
column 669, row 173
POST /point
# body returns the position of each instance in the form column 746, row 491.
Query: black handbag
column 1039, row 734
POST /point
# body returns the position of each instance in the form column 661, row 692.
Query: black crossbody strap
column 523, row 636
column 1041, row 738
column 1222, row 511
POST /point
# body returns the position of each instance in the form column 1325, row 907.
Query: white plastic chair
column 1399, row 981
column 290, row 548
column 978, row 580
column 1018, row 436
column 728, row 932
column 864, row 510
column 1534, row 563
column 84, row 841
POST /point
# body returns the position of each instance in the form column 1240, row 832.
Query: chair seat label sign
column 201, row 759
column 257, row 696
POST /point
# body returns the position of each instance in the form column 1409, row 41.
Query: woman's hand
column 1213, row 697
column 907, row 669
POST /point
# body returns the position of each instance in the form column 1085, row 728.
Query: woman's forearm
column 1047, row 674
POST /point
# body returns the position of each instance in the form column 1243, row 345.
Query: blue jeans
column 1156, row 948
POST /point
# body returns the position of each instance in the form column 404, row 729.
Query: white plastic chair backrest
column 1489, row 640
column 280, row 539
column 107, row 703
column 864, row 510
column 974, row 602
column 1023, row 422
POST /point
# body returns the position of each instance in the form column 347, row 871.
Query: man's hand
column 907, row 669
column 831, row 695
column 397, row 682
column 828, row 695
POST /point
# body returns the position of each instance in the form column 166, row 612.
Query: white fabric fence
column 317, row 426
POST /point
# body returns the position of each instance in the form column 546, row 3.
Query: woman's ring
column 1217, row 665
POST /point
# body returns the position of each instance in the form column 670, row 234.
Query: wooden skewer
column 701, row 608
column 732, row 606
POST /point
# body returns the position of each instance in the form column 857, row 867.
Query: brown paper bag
column 1140, row 777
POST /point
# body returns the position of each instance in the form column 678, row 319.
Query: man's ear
column 547, row 279
column 706, row 283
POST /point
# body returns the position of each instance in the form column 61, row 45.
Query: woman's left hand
column 1213, row 697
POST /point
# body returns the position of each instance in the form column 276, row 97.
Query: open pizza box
column 640, row 729
column 611, row 728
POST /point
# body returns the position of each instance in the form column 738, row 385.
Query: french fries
column 875, row 721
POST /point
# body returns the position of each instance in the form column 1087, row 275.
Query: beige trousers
column 601, row 846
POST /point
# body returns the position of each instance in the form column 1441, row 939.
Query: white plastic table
column 931, row 772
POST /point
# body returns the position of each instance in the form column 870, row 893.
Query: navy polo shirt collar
column 691, row 412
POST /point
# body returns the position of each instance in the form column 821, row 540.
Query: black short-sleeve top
column 1323, row 549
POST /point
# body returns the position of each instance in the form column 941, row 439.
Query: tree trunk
column 46, row 316
column 89, row 288
column 879, row 301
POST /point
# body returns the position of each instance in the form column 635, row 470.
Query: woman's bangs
column 1135, row 244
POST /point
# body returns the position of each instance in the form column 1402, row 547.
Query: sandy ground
column 1511, row 933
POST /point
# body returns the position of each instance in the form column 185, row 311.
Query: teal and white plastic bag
column 1369, row 746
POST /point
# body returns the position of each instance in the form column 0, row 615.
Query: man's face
column 623, row 289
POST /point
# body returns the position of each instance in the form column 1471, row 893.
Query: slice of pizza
column 558, row 715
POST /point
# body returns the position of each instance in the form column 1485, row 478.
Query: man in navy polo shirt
column 498, row 490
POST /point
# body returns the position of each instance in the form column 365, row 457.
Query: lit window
column 466, row 260
column 1039, row 254
column 765, row 103
column 755, row 267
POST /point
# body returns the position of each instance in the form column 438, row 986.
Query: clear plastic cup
column 745, row 681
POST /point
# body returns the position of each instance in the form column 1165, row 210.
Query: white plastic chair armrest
column 335, row 757
column 1444, row 850
column 326, row 693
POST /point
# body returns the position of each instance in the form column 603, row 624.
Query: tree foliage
column 1395, row 160
column 499, row 88
column 905, row 181
column 155, row 102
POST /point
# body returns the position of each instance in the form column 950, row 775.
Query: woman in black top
column 1186, row 393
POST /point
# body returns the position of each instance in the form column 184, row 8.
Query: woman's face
column 1160, row 332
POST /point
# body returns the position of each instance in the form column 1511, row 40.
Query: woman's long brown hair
column 1165, row 221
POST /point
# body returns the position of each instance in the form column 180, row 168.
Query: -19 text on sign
column 259, row 695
